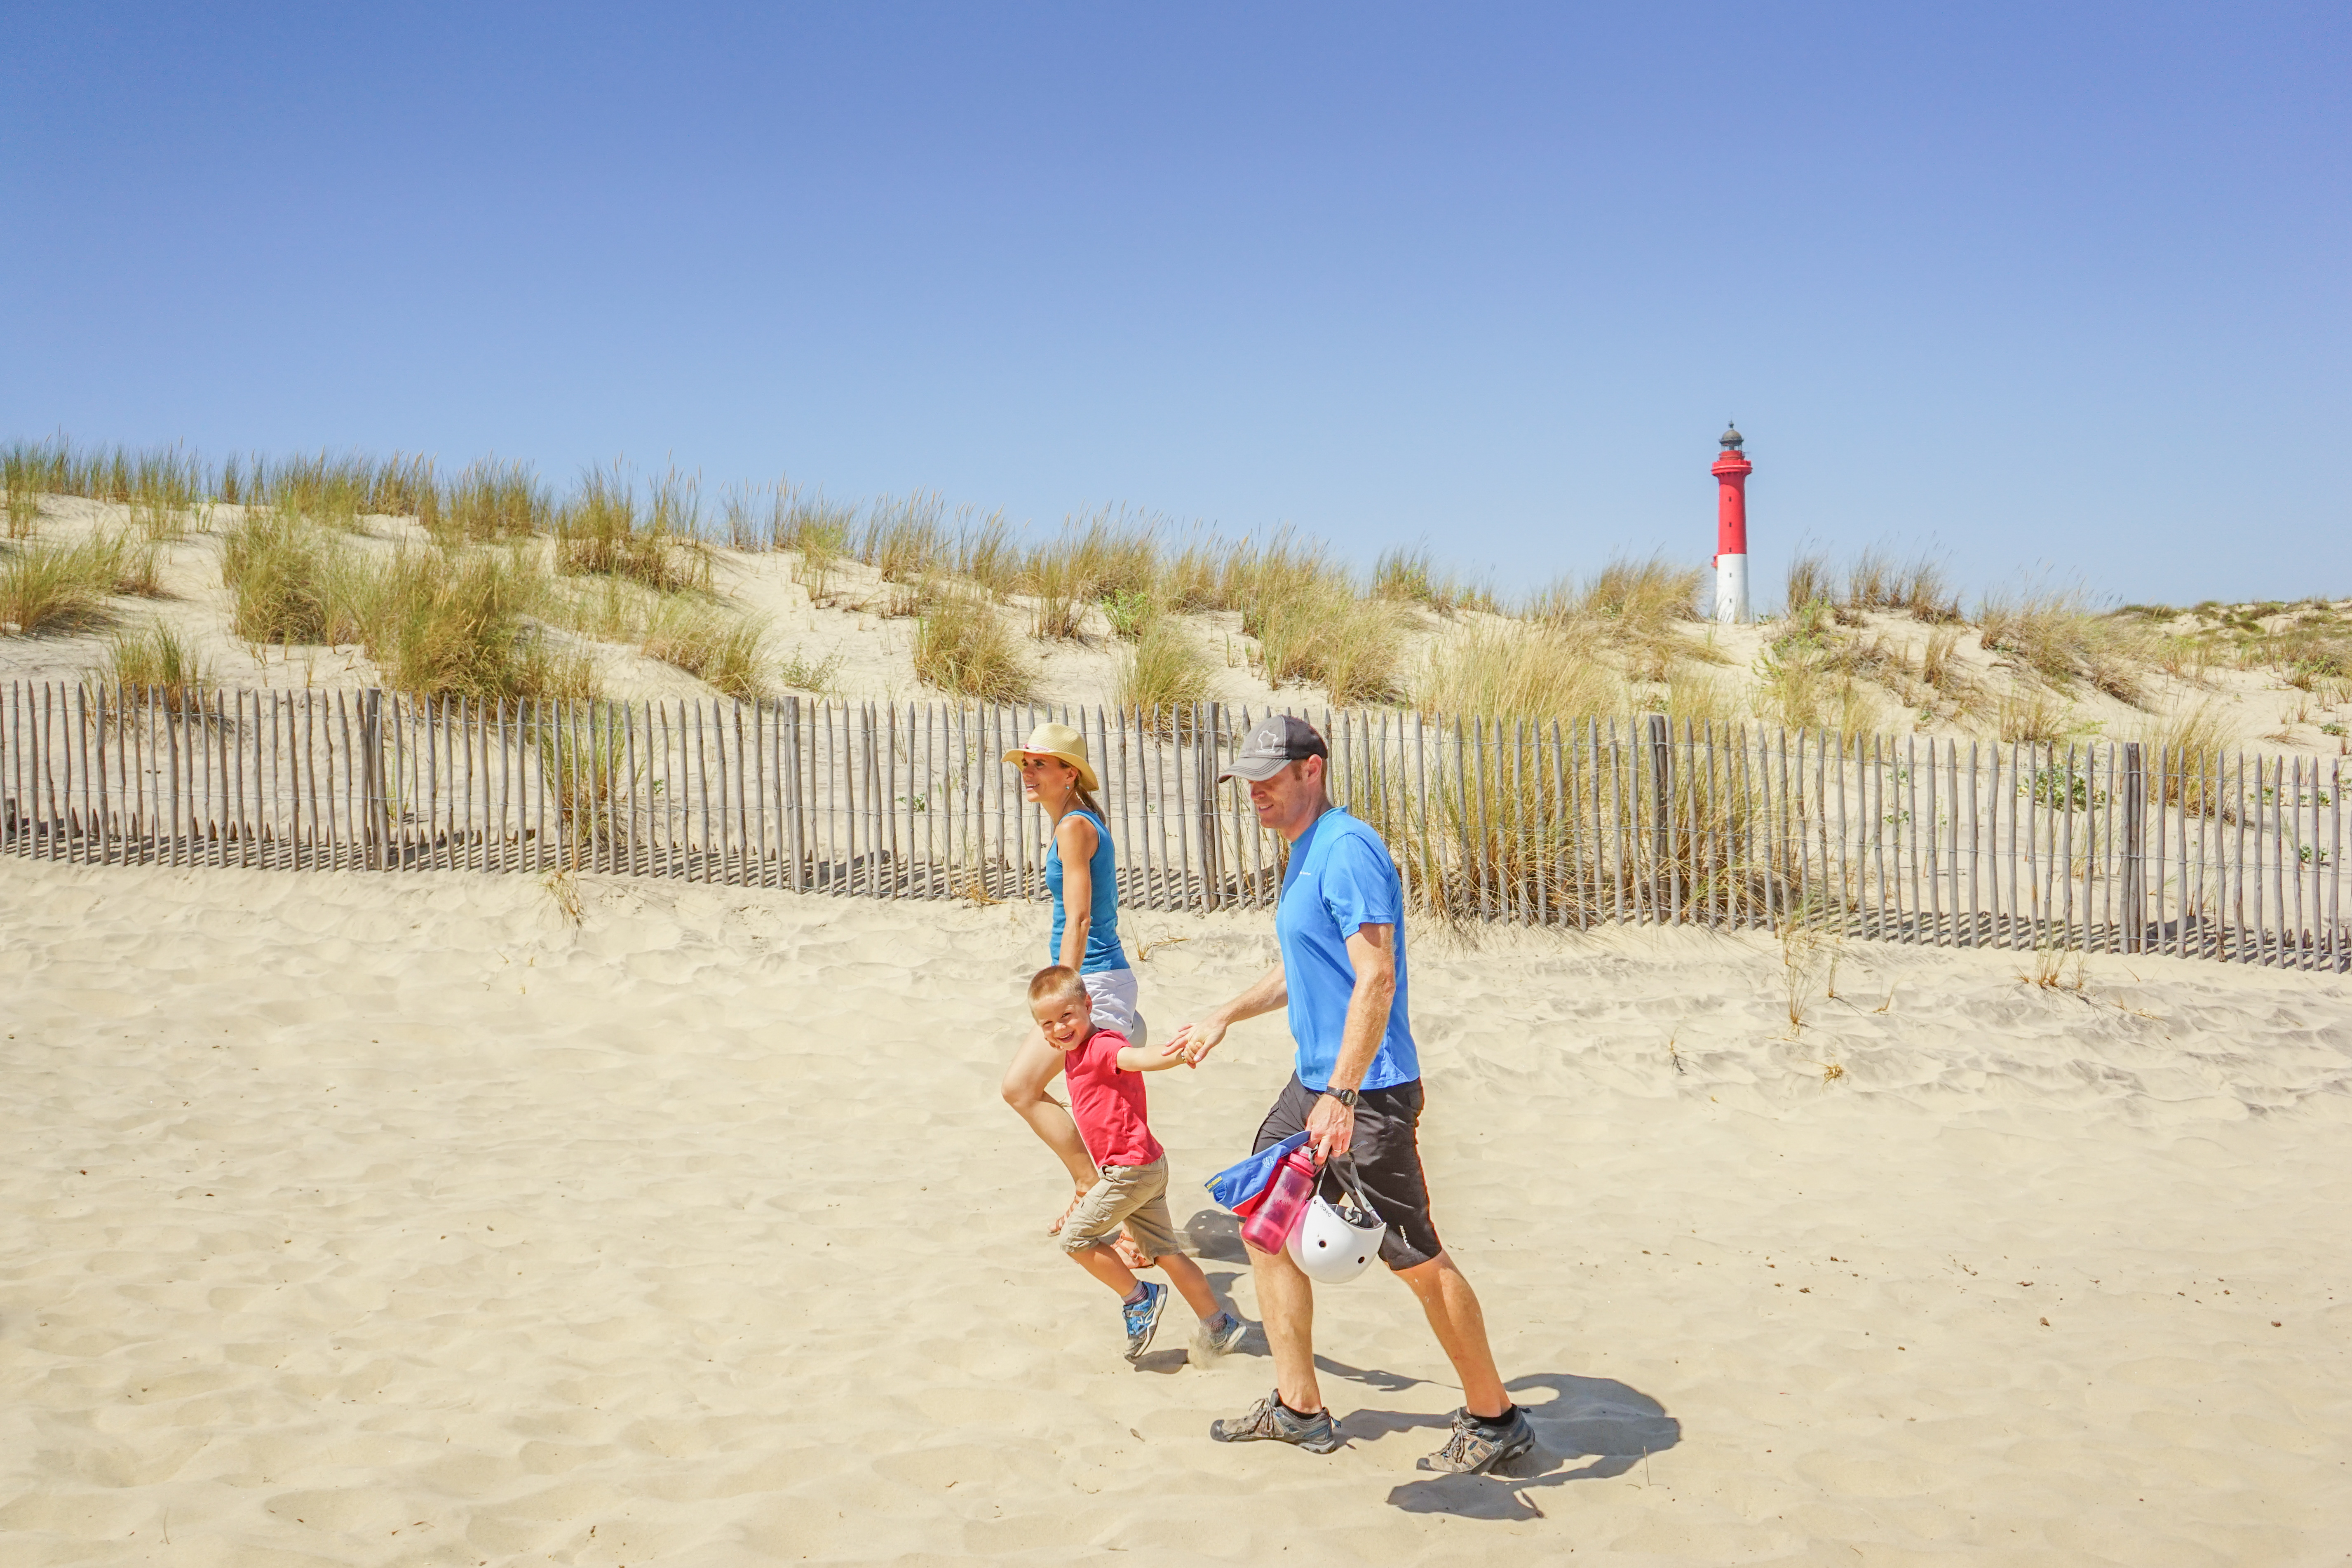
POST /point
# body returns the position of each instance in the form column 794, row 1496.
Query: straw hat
column 1058, row 741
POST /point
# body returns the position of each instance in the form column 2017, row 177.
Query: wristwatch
column 1347, row 1097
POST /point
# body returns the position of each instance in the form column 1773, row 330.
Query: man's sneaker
column 1478, row 1446
column 1271, row 1421
column 1143, row 1318
column 1221, row 1335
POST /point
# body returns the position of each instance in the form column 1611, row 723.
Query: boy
column 1103, row 1072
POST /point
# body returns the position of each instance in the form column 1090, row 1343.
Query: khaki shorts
column 1133, row 1196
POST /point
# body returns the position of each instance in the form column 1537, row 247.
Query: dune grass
column 2307, row 653
column 2055, row 633
column 1809, row 582
column 603, row 530
column 291, row 582
column 961, row 646
column 446, row 623
column 154, row 658
column 1633, row 607
column 436, row 622
column 1166, row 670
column 1326, row 637
column 2034, row 715
column 717, row 645
column 1540, row 673
column 1058, row 591
column 2185, row 749
column 907, row 540
column 798, row 671
column 490, row 501
column 49, row 586
column 1412, row 577
column 1812, row 676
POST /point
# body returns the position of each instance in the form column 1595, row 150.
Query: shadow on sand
column 1587, row 1428
column 1590, row 1429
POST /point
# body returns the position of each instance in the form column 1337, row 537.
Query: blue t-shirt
column 1339, row 877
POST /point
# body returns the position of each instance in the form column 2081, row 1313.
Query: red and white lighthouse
column 1731, row 471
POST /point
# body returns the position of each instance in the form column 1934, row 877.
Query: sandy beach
column 401, row 1221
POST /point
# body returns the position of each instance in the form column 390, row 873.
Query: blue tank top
column 1103, row 951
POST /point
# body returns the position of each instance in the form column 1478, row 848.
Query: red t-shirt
column 1107, row 1103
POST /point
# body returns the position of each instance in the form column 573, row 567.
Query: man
column 1356, row 1091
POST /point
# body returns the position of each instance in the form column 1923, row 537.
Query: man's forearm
column 1269, row 993
column 1367, row 1026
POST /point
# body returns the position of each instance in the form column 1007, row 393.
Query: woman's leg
column 1034, row 1065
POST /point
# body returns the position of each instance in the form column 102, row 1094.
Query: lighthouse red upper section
column 1731, row 471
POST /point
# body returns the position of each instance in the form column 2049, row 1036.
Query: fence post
column 371, row 760
column 2134, row 914
column 1206, row 744
column 1662, row 799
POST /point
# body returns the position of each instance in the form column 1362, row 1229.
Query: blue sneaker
column 1143, row 1318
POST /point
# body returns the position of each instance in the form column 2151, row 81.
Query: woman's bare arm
column 1076, row 839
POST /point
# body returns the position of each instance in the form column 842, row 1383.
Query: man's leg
column 1286, row 1301
column 1453, row 1310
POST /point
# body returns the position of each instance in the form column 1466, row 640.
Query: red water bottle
column 1285, row 1202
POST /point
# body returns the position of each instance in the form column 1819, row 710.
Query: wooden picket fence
column 2097, row 847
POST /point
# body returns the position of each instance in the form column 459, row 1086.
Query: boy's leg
column 1103, row 1263
column 1190, row 1284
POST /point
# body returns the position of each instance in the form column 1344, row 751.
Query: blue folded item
column 1237, row 1186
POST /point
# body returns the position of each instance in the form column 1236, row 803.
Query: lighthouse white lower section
column 1731, row 589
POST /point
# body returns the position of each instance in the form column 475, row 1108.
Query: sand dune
column 868, row 652
column 391, row 1221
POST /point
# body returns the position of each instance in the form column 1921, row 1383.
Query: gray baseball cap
column 1277, row 741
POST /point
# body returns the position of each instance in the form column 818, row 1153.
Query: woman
column 1082, row 875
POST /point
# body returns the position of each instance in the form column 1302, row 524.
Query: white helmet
column 1334, row 1243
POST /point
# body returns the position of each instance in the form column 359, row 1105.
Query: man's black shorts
column 1387, row 1154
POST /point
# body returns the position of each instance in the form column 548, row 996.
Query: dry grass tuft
column 1409, row 576
column 155, row 659
column 1541, row 673
column 1876, row 582
column 444, row 625
column 2054, row 634
column 718, row 647
column 48, row 587
column 2185, row 749
column 291, row 582
column 601, row 531
column 2033, row 716
column 1811, row 678
column 435, row 622
column 904, row 540
column 1166, row 670
column 1058, row 587
column 1633, row 608
column 490, row 501
column 1809, row 583
column 961, row 645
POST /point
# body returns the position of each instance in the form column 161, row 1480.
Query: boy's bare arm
column 1144, row 1058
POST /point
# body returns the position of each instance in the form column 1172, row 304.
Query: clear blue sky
column 2036, row 285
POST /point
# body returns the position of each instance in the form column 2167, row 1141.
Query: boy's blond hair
column 1055, row 982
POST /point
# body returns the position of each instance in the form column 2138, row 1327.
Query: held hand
column 1193, row 1042
column 1330, row 1129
